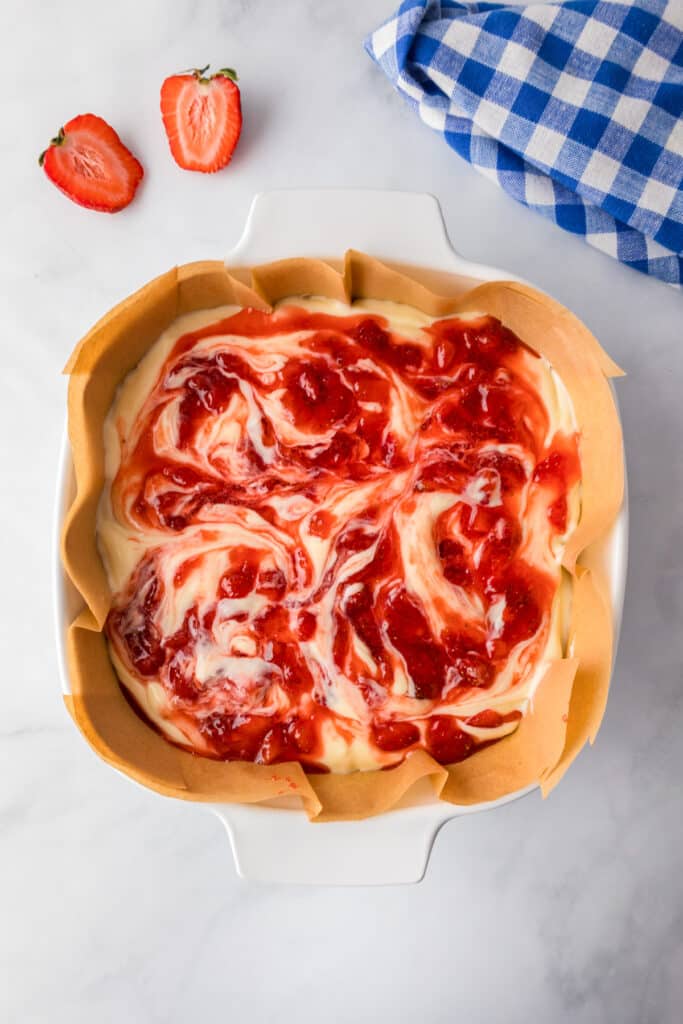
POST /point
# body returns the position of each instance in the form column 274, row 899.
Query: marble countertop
column 119, row 906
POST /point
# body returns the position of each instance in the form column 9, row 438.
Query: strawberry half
column 90, row 164
column 202, row 117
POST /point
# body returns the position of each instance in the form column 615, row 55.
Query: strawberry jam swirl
column 334, row 534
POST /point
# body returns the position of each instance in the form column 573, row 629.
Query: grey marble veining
column 120, row 906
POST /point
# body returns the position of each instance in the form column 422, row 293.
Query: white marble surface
column 120, row 906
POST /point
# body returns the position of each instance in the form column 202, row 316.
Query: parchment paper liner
column 570, row 701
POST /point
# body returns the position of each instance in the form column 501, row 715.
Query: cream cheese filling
column 220, row 528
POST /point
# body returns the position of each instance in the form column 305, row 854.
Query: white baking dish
column 278, row 843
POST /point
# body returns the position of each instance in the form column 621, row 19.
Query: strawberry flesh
column 203, row 119
column 88, row 162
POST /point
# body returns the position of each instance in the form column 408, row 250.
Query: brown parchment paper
column 569, row 703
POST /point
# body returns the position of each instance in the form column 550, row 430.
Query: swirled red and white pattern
column 334, row 533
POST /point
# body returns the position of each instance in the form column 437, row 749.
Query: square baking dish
column 276, row 842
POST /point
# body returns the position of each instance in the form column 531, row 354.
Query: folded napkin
column 575, row 109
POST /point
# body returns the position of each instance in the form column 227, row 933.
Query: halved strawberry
column 90, row 164
column 202, row 117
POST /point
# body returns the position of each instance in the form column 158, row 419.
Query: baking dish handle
column 406, row 227
column 283, row 846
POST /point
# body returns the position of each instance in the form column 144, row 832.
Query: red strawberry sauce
column 480, row 433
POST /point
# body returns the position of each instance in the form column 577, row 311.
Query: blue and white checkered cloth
column 575, row 109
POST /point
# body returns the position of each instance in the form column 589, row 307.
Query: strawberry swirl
column 333, row 534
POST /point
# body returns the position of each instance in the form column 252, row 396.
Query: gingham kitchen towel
column 575, row 109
